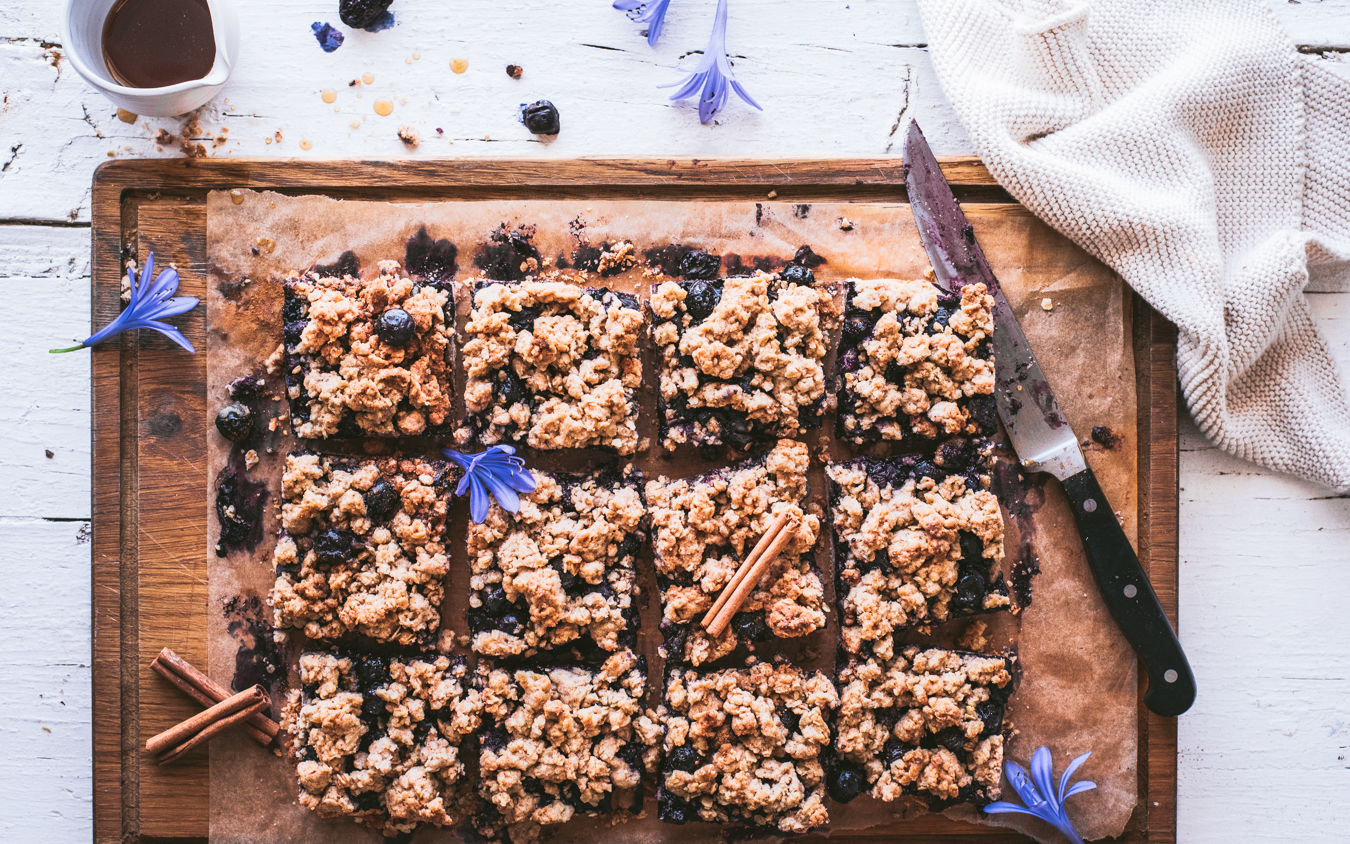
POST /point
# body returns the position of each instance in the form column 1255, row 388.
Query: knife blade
column 1042, row 437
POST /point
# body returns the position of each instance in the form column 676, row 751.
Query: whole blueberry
column 846, row 783
column 332, row 546
column 700, row 299
column 797, row 274
column 850, row 361
column 541, row 118
column 235, row 422
column 970, row 589
column 361, row 13
column 698, row 264
column 381, row 501
column 856, row 329
column 682, row 758
column 396, row 327
column 371, row 671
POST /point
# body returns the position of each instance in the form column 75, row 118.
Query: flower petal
column 173, row 307
column 1068, row 772
column 1001, row 807
column 505, row 496
column 1023, row 785
column 1079, row 788
column 478, row 501
column 170, row 332
column 740, row 92
column 1042, row 773
column 162, row 288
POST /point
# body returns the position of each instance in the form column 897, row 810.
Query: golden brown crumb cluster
column 910, row 366
column 559, row 742
column 561, row 570
column 952, row 703
column 553, row 365
column 744, row 745
column 741, row 359
column 362, row 547
column 911, row 551
column 379, row 740
column 704, row 528
column 343, row 379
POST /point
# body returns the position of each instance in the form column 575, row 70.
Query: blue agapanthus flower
column 1039, row 794
column 150, row 302
column 496, row 471
column 712, row 78
column 650, row 12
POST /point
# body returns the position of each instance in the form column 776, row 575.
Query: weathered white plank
column 45, row 739
column 44, row 274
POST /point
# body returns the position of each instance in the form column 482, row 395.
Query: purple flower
column 150, row 302
column 651, row 13
column 496, row 471
column 712, row 77
column 1039, row 794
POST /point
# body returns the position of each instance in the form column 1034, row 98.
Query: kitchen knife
column 1042, row 438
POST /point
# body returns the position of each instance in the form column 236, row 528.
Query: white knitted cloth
column 1189, row 146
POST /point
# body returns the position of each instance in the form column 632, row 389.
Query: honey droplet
column 237, row 197
column 459, row 65
column 384, row 107
column 126, row 116
column 266, row 245
column 417, row 56
column 330, row 97
column 368, row 78
column 305, row 145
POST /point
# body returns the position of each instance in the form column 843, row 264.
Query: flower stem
column 63, row 351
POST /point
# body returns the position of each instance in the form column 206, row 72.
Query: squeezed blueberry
column 510, row 388
column 700, row 265
column 332, row 546
column 682, row 758
column 362, row 13
column 856, row 329
column 750, row 626
column 700, row 299
column 797, row 274
column 381, row 501
column 235, row 422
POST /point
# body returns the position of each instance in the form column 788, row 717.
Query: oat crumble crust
column 912, row 556
column 362, row 547
column 926, row 722
column 705, row 526
column 744, row 745
column 553, row 365
column 912, row 366
column 342, row 379
column 561, row 570
column 381, row 740
column 755, row 364
column 560, row 741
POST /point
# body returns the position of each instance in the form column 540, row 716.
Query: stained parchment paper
column 1078, row 691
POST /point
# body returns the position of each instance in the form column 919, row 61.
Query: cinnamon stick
column 216, row 692
column 775, row 525
column 213, row 730
column 179, row 733
column 205, row 700
column 749, row 583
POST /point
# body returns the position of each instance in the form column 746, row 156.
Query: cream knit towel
column 1189, row 146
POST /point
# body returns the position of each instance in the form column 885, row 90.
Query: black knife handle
column 1131, row 599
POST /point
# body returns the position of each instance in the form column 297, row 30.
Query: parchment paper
column 1078, row 691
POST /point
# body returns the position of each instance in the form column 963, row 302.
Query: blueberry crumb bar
column 368, row 357
column 925, row 722
column 561, row 741
column 382, row 740
column 560, row 572
column 916, row 543
column 552, row 365
column 741, row 360
column 362, row 547
column 915, row 363
column 703, row 528
column 743, row 745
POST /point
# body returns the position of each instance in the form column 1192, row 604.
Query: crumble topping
column 553, row 365
column 561, row 570
column 378, row 740
column 342, row 379
column 704, row 528
column 913, row 548
column 362, row 547
column 912, row 358
column 744, row 745
column 741, row 359
column 926, row 722
column 560, row 741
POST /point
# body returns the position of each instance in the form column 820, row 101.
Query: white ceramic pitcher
column 84, row 21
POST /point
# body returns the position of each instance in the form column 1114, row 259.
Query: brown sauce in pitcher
column 155, row 43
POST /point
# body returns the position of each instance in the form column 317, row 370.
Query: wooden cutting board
column 149, row 526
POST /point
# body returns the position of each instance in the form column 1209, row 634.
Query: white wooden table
column 1265, row 560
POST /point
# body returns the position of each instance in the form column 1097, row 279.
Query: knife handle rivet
column 1131, row 590
column 1090, row 505
column 1170, row 675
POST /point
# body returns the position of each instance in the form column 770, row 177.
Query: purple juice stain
column 381, row 23
column 1024, row 495
column 328, row 37
column 239, row 508
column 257, row 660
